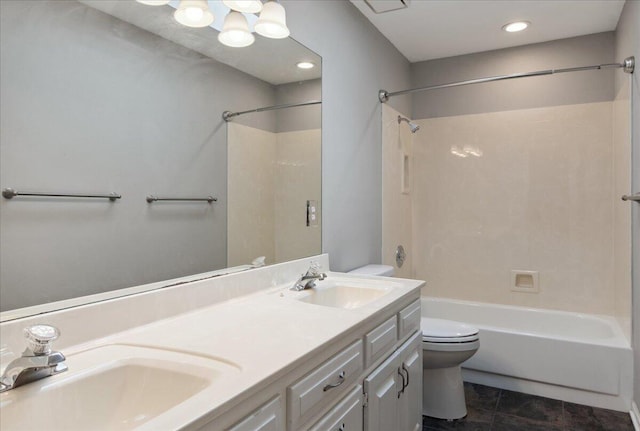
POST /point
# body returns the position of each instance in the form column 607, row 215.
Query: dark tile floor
column 492, row 409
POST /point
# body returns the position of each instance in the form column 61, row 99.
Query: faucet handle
column 40, row 337
column 314, row 267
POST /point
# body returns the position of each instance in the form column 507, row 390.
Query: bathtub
column 574, row 357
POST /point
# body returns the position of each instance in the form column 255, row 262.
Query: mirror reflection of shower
column 413, row 126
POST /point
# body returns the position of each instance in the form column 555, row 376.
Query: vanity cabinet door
column 382, row 388
column 266, row 418
column 410, row 401
column 393, row 391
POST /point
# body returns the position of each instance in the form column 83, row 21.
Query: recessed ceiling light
column 513, row 27
column 306, row 65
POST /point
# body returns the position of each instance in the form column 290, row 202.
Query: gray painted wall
column 561, row 89
column 356, row 62
column 302, row 117
column 149, row 121
column 628, row 43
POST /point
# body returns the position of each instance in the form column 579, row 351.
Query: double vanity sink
column 180, row 371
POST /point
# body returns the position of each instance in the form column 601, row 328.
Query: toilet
column 445, row 346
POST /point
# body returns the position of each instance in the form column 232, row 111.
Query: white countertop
column 262, row 335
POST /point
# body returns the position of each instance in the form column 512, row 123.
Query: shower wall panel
column 397, row 175
column 271, row 177
column 621, row 121
column 528, row 189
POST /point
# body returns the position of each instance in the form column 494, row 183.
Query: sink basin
column 344, row 294
column 115, row 387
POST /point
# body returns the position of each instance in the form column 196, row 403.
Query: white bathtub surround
column 537, row 196
column 251, row 161
column 298, row 179
column 397, row 143
column 621, row 120
column 250, row 321
column 272, row 175
column 579, row 358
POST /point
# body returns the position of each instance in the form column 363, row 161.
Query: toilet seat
column 447, row 331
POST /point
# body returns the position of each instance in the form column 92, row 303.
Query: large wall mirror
column 101, row 97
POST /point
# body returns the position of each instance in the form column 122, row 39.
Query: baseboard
column 635, row 416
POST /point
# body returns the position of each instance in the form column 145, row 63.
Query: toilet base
column 443, row 393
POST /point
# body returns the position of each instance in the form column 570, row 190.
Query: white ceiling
column 271, row 60
column 430, row 29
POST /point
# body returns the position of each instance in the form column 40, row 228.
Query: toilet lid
column 447, row 331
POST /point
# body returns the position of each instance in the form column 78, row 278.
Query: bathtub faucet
column 37, row 361
column 308, row 279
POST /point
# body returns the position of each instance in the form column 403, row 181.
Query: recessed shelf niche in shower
column 405, row 181
column 524, row 281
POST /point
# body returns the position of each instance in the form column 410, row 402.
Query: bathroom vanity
column 237, row 352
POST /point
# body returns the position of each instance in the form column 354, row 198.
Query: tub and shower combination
column 571, row 356
column 498, row 185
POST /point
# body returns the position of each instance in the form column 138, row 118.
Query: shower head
column 413, row 126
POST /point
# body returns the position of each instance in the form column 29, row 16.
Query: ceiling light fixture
column 273, row 21
column 235, row 31
column 244, row 6
column 516, row 26
column 154, row 2
column 194, row 13
column 306, row 65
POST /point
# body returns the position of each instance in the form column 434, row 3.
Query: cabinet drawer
column 266, row 418
column 323, row 383
column 379, row 341
column 409, row 320
column 346, row 416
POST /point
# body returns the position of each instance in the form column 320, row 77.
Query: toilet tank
column 381, row 270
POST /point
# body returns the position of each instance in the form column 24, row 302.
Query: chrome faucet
column 308, row 279
column 37, row 361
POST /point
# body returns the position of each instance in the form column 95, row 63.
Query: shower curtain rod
column 627, row 65
column 228, row 115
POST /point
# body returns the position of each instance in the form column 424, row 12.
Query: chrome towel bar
column 210, row 199
column 634, row 197
column 10, row 193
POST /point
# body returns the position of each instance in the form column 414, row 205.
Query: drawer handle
column 335, row 385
